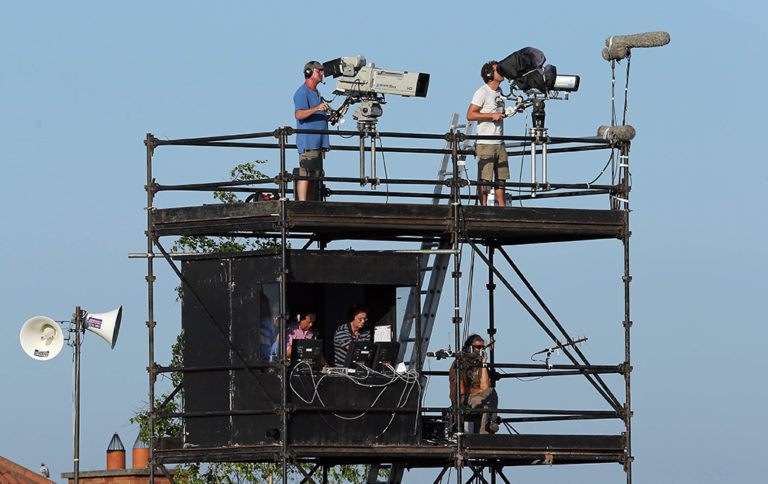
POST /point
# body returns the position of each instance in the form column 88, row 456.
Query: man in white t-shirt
column 487, row 108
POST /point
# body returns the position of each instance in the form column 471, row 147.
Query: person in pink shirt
column 300, row 330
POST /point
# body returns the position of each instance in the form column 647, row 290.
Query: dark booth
column 231, row 341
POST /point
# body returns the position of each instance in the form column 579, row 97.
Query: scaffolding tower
column 442, row 228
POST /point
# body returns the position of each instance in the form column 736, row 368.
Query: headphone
column 486, row 72
column 309, row 70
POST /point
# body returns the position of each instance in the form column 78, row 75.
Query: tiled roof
column 13, row 473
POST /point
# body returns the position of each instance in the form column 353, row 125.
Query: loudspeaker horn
column 106, row 325
column 41, row 338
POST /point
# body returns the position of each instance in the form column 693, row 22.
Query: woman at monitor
column 347, row 333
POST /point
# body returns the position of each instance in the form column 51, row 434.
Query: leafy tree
column 227, row 472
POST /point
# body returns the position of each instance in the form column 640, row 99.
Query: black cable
column 384, row 162
column 608, row 163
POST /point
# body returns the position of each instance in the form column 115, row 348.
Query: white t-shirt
column 490, row 101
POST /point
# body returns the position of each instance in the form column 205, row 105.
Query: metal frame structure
column 453, row 224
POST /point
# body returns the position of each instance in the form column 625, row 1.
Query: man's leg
column 310, row 164
column 487, row 400
column 482, row 193
column 500, row 196
column 486, row 158
column 302, row 187
column 491, row 403
column 502, row 173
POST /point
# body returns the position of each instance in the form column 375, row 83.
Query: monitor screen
column 386, row 354
column 360, row 353
column 309, row 350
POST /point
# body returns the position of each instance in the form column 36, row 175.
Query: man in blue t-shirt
column 311, row 113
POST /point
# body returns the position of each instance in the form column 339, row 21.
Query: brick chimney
column 115, row 453
column 140, row 454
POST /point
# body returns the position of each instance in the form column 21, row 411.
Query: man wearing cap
column 487, row 108
column 311, row 113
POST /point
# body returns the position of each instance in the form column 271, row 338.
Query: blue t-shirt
column 306, row 98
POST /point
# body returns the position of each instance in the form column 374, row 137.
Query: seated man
column 475, row 385
column 300, row 330
column 346, row 333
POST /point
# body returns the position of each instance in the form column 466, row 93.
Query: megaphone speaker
column 41, row 338
column 106, row 325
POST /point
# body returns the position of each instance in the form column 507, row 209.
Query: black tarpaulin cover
column 526, row 69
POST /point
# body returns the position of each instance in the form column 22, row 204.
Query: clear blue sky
column 82, row 82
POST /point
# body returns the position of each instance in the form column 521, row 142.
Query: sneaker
column 493, row 427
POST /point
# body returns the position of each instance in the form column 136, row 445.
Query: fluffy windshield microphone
column 617, row 47
column 616, row 133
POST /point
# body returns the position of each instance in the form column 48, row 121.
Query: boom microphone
column 616, row 133
column 617, row 46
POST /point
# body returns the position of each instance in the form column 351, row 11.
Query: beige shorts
column 491, row 160
column 311, row 163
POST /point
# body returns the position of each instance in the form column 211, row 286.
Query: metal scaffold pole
column 627, row 279
column 151, row 143
column 456, row 202
column 283, row 134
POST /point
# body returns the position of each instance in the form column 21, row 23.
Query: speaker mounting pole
column 77, row 322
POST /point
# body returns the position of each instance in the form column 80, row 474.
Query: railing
column 281, row 182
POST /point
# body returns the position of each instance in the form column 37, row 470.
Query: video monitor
column 360, row 353
column 386, row 354
column 309, row 350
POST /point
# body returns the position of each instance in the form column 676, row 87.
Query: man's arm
column 485, row 379
column 474, row 114
column 305, row 113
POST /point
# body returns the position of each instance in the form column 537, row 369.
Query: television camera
column 367, row 85
column 526, row 72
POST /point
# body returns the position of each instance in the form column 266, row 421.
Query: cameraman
column 475, row 384
column 311, row 113
column 487, row 108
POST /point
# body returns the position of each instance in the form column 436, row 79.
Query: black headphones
column 486, row 72
column 309, row 70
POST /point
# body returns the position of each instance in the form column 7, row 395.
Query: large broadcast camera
column 526, row 72
column 367, row 85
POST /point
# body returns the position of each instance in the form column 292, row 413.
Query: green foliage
column 248, row 472
column 164, row 427
column 199, row 244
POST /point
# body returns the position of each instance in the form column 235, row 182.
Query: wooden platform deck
column 502, row 449
column 343, row 220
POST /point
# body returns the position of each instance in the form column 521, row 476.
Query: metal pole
column 150, row 143
column 362, row 157
column 491, row 330
column 373, row 160
column 627, row 278
column 491, row 309
column 532, row 133
column 78, row 326
column 544, row 158
column 459, row 459
column 281, row 318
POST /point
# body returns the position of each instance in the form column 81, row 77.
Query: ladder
column 436, row 265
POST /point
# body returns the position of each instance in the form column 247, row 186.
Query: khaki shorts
column 491, row 159
column 311, row 163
